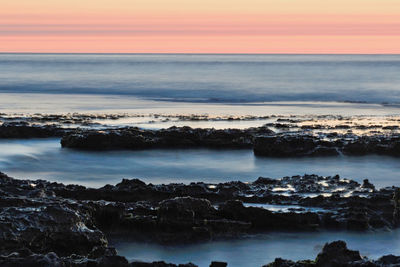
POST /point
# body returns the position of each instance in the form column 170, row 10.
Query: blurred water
column 262, row 249
column 45, row 159
column 207, row 78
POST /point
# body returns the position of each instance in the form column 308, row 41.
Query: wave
column 214, row 96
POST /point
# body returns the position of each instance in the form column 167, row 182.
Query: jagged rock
column 184, row 209
column 48, row 226
column 336, row 254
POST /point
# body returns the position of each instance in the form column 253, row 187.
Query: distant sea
column 207, row 78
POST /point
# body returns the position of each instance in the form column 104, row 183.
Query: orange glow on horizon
column 181, row 26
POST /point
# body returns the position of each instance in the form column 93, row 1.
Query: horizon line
column 189, row 53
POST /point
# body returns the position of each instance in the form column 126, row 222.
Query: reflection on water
column 45, row 159
column 260, row 250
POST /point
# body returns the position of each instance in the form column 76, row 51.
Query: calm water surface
column 45, row 159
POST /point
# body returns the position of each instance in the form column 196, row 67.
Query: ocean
column 201, row 78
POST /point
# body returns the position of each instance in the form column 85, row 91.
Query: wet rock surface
column 49, row 223
column 336, row 254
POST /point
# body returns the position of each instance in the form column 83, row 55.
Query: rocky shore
column 50, row 223
column 285, row 137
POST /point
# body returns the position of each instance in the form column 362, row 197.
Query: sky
column 200, row 26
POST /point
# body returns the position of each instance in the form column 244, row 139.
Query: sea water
column 202, row 84
column 45, row 159
column 207, row 78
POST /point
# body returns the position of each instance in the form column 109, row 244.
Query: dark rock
column 262, row 180
column 367, row 184
column 284, row 146
column 389, row 260
column 48, row 226
column 134, row 138
column 336, row 254
column 23, row 130
column 218, row 264
column 184, row 209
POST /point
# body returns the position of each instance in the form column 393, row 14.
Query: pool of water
column 262, row 249
column 45, row 159
column 285, row 208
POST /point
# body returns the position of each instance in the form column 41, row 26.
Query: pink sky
column 185, row 26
